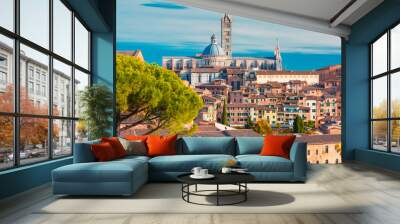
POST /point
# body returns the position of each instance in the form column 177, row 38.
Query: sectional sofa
column 125, row 176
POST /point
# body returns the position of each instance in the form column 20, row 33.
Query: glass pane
column 33, row 139
column 62, row 29
column 35, row 21
column 6, row 74
column 7, row 14
column 62, row 138
column 81, row 82
column 34, row 92
column 395, row 47
column 395, row 94
column 379, row 135
column 379, row 97
column 81, row 131
column 6, row 142
column 395, row 136
column 379, row 55
column 62, row 89
column 81, row 45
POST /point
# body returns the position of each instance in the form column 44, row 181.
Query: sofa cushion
column 116, row 145
column 103, row 152
column 249, row 145
column 161, row 145
column 208, row 145
column 112, row 171
column 83, row 152
column 257, row 163
column 185, row 163
column 277, row 145
column 134, row 147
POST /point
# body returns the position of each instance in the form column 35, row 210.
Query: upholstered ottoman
column 119, row 177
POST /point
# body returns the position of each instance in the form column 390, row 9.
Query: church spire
column 278, row 57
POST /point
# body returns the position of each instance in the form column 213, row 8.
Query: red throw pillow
column 116, row 145
column 276, row 145
column 103, row 152
column 161, row 145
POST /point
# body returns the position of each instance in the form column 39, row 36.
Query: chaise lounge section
column 125, row 176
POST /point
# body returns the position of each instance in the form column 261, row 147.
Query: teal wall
column 100, row 17
column 356, row 85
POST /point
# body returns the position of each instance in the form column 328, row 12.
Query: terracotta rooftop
column 271, row 72
column 206, row 70
column 320, row 139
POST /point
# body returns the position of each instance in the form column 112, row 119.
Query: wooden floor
column 379, row 190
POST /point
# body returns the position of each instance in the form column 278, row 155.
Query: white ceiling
column 325, row 16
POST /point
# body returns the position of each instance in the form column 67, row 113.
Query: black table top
column 220, row 178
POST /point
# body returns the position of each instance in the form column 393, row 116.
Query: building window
column 385, row 97
column 326, row 149
column 55, row 126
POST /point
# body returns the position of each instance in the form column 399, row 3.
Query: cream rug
column 166, row 198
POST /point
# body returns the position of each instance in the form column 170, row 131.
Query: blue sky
column 164, row 28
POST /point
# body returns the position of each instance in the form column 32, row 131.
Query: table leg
column 217, row 194
column 195, row 188
column 245, row 193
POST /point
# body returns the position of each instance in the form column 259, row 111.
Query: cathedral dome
column 213, row 49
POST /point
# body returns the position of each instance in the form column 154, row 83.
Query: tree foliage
column 298, row 126
column 149, row 94
column 224, row 117
column 96, row 102
column 33, row 131
column 379, row 128
column 249, row 123
column 263, row 127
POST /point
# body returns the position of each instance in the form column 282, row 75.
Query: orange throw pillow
column 142, row 138
column 116, row 145
column 276, row 145
column 161, row 145
column 103, row 152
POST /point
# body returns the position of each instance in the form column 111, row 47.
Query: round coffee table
column 238, row 179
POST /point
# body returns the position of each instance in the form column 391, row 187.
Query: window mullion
column 16, row 85
column 50, row 81
column 73, row 82
column 389, row 104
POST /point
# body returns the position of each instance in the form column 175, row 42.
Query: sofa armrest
column 83, row 152
column 298, row 155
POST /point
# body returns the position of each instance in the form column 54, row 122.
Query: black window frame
column 388, row 74
column 16, row 115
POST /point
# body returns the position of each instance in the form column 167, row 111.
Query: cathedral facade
column 220, row 56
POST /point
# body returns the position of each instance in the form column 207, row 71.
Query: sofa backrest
column 207, row 145
column 249, row 145
column 83, row 152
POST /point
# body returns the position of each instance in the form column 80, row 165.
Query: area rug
column 166, row 198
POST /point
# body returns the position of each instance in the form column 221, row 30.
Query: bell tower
column 226, row 34
column 278, row 57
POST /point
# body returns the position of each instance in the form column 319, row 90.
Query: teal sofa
column 125, row 176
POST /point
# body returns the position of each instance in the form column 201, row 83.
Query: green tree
column 298, row 126
column 263, row 127
column 249, row 123
column 96, row 102
column 309, row 124
column 224, row 119
column 149, row 94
